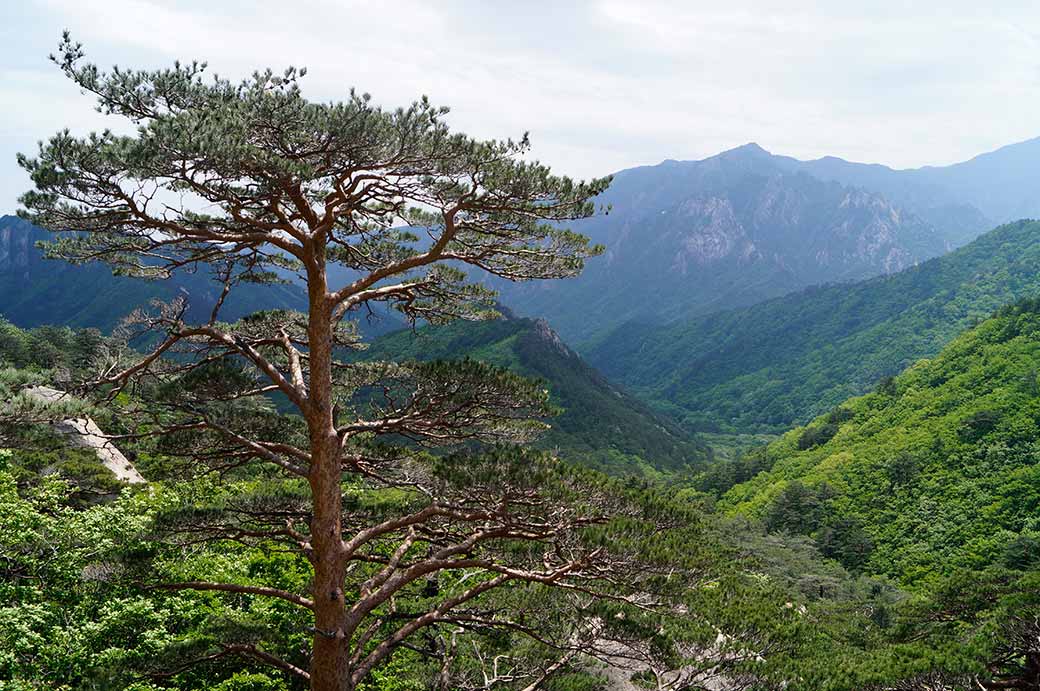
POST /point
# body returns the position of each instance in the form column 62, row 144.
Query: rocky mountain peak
column 546, row 333
column 749, row 149
column 749, row 155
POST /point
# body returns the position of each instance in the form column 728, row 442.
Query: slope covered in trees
column 598, row 424
column 85, row 620
column 934, row 472
column 787, row 360
column 932, row 483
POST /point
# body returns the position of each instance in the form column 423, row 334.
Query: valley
column 786, row 360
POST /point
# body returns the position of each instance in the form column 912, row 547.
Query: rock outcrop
column 85, row 434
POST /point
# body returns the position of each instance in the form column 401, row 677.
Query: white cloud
column 600, row 85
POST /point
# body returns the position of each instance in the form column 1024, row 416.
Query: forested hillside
column 931, row 482
column 786, row 360
column 936, row 471
column 746, row 609
column 599, row 424
column 606, row 427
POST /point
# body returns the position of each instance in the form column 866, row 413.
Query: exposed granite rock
column 85, row 434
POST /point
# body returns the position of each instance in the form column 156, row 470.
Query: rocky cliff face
column 687, row 238
column 15, row 242
column 712, row 233
column 861, row 234
column 545, row 333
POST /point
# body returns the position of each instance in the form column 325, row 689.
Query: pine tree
column 251, row 182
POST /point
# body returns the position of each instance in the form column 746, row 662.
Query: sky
column 600, row 85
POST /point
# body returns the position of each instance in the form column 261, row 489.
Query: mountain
column 36, row 291
column 691, row 237
column 789, row 359
column 933, row 472
column 600, row 424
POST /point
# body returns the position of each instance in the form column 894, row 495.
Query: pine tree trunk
column 330, row 664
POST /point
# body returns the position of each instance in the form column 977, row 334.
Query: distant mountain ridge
column 36, row 291
column 996, row 187
column 683, row 238
column 692, row 237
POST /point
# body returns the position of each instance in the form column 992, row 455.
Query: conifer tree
column 251, row 182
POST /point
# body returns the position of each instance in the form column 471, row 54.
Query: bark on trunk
column 330, row 664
